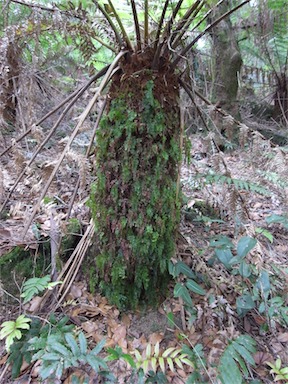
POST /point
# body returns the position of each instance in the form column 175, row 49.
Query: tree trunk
column 228, row 62
column 134, row 201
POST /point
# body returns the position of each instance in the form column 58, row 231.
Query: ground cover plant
column 129, row 251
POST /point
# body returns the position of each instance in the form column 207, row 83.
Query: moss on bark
column 134, row 201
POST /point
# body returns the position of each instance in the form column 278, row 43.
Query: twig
column 82, row 118
column 86, row 156
column 77, row 93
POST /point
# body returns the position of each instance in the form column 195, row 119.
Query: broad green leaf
column 244, row 246
column 162, row 364
column 277, row 219
column 51, row 356
column 167, row 352
column 46, row 372
column 181, row 267
column 145, row 366
column 181, row 291
column 263, row 283
column 194, row 287
column 154, row 364
column 224, row 256
column 178, row 362
column 244, row 269
column 243, row 352
column 148, row 351
column 221, row 242
column 248, row 342
column 171, row 320
column 170, row 364
column 244, row 304
column 16, row 366
column 229, row 371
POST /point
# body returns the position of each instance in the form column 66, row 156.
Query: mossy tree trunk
column 227, row 62
column 134, row 200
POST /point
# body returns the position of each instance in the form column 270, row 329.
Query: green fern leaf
column 229, row 371
column 83, row 343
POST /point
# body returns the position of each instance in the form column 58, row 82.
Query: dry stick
column 189, row 93
column 83, row 116
column 52, row 131
column 86, row 155
column 71, row 267
column 77, row 93
column 78, row 258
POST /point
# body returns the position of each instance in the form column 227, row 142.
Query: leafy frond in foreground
column 235, row 361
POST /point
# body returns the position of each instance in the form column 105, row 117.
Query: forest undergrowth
column 227, row 302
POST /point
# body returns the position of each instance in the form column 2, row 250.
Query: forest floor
column 211, row 209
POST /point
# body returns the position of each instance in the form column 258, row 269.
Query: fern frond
column 236, row 359
column 237, row 183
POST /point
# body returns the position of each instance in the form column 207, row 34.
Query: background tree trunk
column 227, row 64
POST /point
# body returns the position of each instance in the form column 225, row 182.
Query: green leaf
column 244, row 246
column 51, row 356
column 69, row 337
column 99, row 347
column 263, row 283
column 181, row 267
column 266, row 233
column 221, row 242
column 83, row 343
column 229, row 371
column 277, row 219
column 16, row 365
column 243, row 352
column 248, row 342
column 244, row 269
column 181, row 291
column 244, row 304
column 224, row 256
column 194, row 287
column 49, row 371
column 57, row 347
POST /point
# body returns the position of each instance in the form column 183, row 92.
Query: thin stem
column 110, row 21
column 71, row 203
column 157, row 46
column 146, row 27
column 185, row 22
column 207, row 29
column 123, row 30
column 82, row 118
column 76, row 94
column 137, row 27
column 169, row 24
